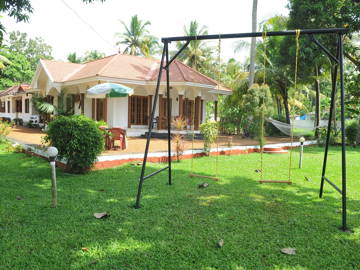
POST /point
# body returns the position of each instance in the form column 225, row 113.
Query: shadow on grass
column 178, row 226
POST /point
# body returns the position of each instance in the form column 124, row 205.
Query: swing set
column 337, row 60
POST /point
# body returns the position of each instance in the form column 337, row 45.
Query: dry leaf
column 288, row 251
column 93, row 262
column 203, row 185
column 257, row 171
column 85, row 249
column 101, row 215
column 220, row 244
column 19, row 198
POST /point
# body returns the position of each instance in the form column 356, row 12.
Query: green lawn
column 179, row 225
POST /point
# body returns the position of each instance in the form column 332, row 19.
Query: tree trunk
column 286, row 105
column 253, row 44
column 317, row 101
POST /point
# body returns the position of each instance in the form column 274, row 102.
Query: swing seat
column 276, row 181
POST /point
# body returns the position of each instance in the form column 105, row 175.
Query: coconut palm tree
column 197, row 53
column 253, row 44
column 136, row 38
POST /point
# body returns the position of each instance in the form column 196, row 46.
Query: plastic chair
column 118, row 134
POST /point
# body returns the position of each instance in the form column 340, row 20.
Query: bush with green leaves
column 78, row 139
column 335, row 136
column 352, row 129
column 210, row 131
column 5, row 129
column 258, row 105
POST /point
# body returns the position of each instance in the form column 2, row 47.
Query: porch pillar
column 161, row 111
column 197, row 113
column 181, row 105
column 201, row 111
column 129, row 111
column 149, row 108
column 93, row 108
column 215, row 109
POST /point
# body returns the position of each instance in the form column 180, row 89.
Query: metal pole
column 168, row 108
column 301, row 154
column 332, row 105
column 141, row 180
column 53, row 182
column 343, row 135
column 258, row 34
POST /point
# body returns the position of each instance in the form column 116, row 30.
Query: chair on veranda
column 118, row 134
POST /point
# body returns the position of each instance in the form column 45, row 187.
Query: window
column 139, row 110
column 18, row 105
column 100, row 110
column 2, row 106
column 27, row 105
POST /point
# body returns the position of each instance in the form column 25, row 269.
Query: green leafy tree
column 136, row 38
column 92, row 55
column 33, row 49
column 197, row 55
column 19, row 71
column 73, row 58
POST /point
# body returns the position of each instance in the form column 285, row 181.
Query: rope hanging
column 297, row 38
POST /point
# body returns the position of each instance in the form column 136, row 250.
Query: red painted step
column 275, row 150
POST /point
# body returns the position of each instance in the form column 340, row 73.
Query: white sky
column 66, row 33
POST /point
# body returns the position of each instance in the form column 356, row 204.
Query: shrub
column 335, row 136
column 179, row 124
column 78, row 139
column 5, row 129
column 351, row 132
column 210, row 131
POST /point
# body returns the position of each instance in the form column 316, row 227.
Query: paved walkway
column 32, row 136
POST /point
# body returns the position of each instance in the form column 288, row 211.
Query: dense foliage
column 210, row 131
column 78, row 139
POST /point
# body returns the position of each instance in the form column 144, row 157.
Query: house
column 15, row 103
column 190, row 90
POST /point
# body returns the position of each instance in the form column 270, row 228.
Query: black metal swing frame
column 338, row 60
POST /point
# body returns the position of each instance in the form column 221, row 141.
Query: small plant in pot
column 210, row 131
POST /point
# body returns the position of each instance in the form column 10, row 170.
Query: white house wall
column 118, row 112
column 88, row 107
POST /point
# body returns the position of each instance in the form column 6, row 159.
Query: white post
column 53, row 183
column 302, row 140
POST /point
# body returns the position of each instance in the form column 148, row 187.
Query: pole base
column 345, row 230
column 137, row 206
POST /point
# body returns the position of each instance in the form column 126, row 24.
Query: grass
column 179, row 225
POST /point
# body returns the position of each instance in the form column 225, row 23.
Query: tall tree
column 136, row 38
column 92, row 55
column 19, row 71
column 73, row 58
column 33, row 49
column 253, row 43
column 197, row 55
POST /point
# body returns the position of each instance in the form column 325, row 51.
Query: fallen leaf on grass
column 257, row 171
column 19, row 198
column 101, row 215
column 288, row 251
column 102, row 190
column 85, row 249
column 203, row 185
column 93, row 262
column 220, row 243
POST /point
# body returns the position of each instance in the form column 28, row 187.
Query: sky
column 93, row 27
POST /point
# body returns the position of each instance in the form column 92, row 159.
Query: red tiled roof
column 123, row 66
column 16, row 89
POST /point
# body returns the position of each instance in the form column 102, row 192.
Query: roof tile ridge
column 182, row 73
column 115, row 56
column 100, row 58
column 199, row 73
column 150, row 75
column 81, row 66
